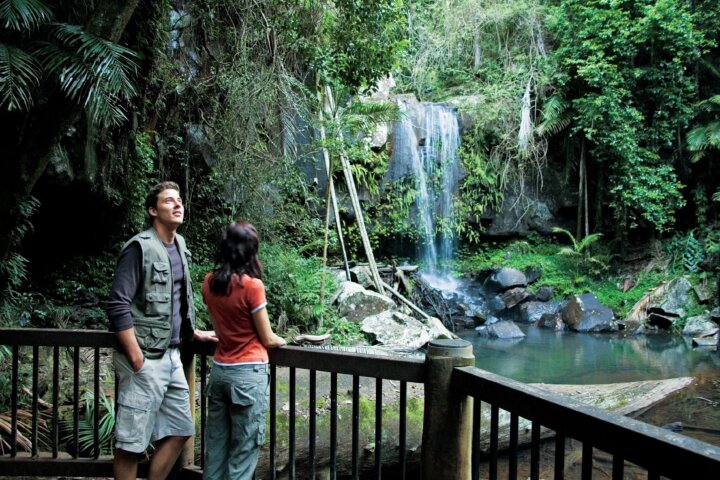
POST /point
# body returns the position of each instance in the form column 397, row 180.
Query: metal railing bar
column 355, row 426
column 35, row 398
column 203, row 406
column 55, row 436
column 559, row 457
column 333, row 425
column 618, row 467
column 291, row 425
column 96, row 404
column 50, row 337
column 513, row 458
column 14, row 402
column 476, row 426
column 402, row 428
column 273, row 420
column 587, row 461
column 535, row 451
column 494, row 431
column 378, row 427
column 312, row 424
column 387, row 367
column 76, row 400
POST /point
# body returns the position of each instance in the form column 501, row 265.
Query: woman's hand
column 205, row 336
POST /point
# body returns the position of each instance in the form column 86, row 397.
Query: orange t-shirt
column 232, row 319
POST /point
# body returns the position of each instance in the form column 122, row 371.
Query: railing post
column 447, row 425
column 187, row 457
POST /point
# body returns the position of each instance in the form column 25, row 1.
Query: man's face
column 169, row 210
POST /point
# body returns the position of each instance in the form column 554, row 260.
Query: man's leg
column 164, row 457
column 125, row 465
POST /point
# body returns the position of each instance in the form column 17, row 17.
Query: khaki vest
column 151, row 308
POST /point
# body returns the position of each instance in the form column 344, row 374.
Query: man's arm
column 126, row 281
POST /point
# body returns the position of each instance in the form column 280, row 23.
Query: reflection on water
column 547, row 356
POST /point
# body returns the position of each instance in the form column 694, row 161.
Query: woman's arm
column 267, row 336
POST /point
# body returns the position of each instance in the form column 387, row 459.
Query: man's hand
column 205, row 336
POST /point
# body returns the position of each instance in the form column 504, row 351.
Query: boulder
column 355, row 303
column 552, row 320
column 531, row 312
column 545, row 293
column 495, row 304
column 399, row 330
column 503, row 329
column 515, row 296
column 674, row 299
column 504, row 279
column 700, row 325
column 361, row 275
column 585, row 313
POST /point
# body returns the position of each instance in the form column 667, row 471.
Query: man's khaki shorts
column 153, row 403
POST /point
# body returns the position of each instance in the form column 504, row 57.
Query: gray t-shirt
column 127, row 282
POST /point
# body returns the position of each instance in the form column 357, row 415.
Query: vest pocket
column 153, row 337
column 157, row 304
column 160, row 272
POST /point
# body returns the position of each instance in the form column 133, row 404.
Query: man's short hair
column 152, row 196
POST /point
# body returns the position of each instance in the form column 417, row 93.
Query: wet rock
column 552, row 320
column 531, row 312
column 503, row 329
column 491, row 319
column 495, row 304
column 533, row 274
column 715, row 315
column 464, row 322
column 504, row 279
column 515, row 296
column 706, row 341
column 545, row 293
column 700, row 325
column 674, row 300
column 585, row 313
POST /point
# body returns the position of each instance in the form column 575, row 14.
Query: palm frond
column 22, row 15
column 716, row 196
column 19, row 77
column 568, row 234
column 567, row 251
column 91, row 70
column 704, row 137
column 710, row 104
column 365, row 116
column 556, row 116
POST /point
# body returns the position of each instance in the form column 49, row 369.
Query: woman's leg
column 217, row 428
column 248, row 412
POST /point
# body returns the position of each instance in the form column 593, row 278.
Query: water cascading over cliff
column 426, row 144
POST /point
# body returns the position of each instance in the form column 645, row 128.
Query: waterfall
column 432, row 160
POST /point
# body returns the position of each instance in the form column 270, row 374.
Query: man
column 151, row 308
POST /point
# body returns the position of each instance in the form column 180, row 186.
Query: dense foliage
column 616, row 100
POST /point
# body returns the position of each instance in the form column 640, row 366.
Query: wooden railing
column 455, row 397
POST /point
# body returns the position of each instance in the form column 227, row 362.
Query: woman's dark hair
column 237, row 254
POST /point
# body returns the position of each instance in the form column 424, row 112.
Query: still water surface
column 547, row 356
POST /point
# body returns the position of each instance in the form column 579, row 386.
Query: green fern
column 693, row 253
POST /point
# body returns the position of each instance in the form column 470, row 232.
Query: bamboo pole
column 331, row 194
column 352, row 192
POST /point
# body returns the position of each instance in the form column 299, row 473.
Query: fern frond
column 589, row 240
column 556, row 116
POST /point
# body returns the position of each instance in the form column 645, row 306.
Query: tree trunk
column 581, row 196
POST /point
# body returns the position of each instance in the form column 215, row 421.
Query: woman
column 238, row 387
